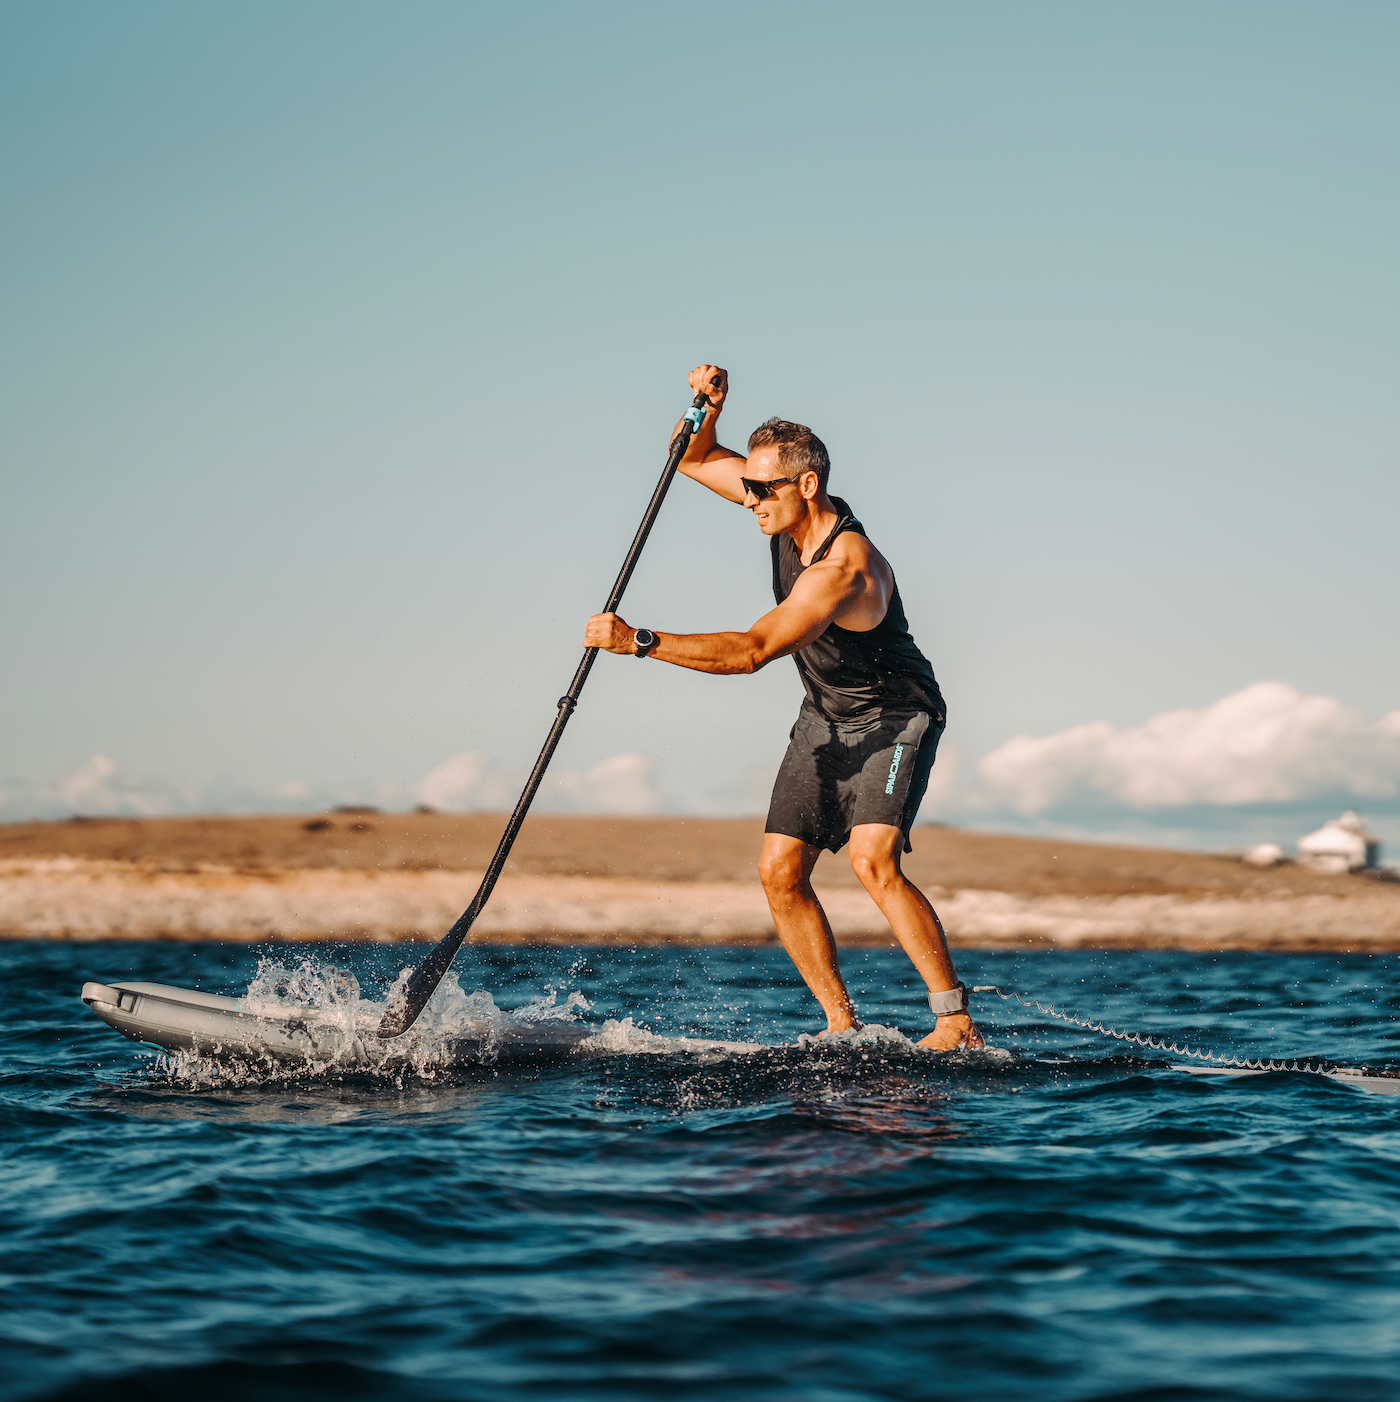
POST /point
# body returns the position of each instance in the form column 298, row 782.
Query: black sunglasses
column 764, row 490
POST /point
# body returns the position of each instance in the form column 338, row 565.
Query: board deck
column 183, row 1020
column 1345, row 1075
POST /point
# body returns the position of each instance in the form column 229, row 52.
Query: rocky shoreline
column 388, row 878
column 74, row 899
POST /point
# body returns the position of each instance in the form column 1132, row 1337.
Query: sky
column 340, row 344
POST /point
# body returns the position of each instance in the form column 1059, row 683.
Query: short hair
column 799, row 449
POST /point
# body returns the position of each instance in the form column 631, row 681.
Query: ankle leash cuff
column 951, row 1000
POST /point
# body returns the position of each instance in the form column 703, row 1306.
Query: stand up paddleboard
column 1345, row 1075
column 227, row 1029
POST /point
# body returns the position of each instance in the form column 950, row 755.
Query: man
column 865, row 739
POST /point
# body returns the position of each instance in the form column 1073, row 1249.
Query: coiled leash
column 954, row 1000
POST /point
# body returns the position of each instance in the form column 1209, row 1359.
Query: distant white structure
column 1265, row 854
column 1341, row 845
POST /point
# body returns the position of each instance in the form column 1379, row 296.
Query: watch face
column 645, row 639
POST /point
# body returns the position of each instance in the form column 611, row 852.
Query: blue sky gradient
column 339, row 345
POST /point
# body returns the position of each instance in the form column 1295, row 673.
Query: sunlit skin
column 852, row 587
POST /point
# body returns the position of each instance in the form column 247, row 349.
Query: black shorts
column 837, row 775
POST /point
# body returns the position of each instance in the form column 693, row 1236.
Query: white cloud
column 96, row 787
column 100, row 787
column 89, row 782
column 1269, row 743
column 619, row 784
column 456, row 784
column 467, row 781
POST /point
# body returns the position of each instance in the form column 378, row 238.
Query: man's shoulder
column 855, row 550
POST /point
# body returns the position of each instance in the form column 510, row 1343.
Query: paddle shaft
column 403, row 1011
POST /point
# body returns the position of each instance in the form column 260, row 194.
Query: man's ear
column 810, row 485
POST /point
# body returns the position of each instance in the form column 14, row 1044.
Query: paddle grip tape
column 951, row 1000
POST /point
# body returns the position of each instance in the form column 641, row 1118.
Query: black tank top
column 857, row 676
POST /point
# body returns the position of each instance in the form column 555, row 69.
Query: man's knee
column 782, row 872
column 875, row 866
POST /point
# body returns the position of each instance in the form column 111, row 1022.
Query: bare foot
column 836, row 1025
column 955, row 1032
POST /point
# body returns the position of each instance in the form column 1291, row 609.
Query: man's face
column 786, row 506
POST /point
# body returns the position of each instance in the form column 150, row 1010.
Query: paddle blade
column 399, row 1016
column 412, row 998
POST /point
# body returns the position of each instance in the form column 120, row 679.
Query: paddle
column 404, row 1009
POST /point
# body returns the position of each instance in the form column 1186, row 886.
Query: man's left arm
column 819, row 595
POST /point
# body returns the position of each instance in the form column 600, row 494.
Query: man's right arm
column 822, row 591
column 710, row 464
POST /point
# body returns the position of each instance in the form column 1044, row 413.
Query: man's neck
column 809, row 532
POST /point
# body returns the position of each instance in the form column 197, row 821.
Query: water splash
column 334, row 1028
column 623, row 1037
column 876, row 1039
column 871, row 1034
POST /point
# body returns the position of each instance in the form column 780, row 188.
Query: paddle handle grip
column 699, row 407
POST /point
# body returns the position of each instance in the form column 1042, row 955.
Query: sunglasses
column 764, row 490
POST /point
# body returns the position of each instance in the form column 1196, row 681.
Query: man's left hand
column 609, row 632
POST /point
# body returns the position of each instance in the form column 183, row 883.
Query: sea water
column 702, row 1202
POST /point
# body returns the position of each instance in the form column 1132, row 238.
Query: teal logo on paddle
column 894, row 768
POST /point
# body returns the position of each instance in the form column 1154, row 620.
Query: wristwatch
column 645, row 640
